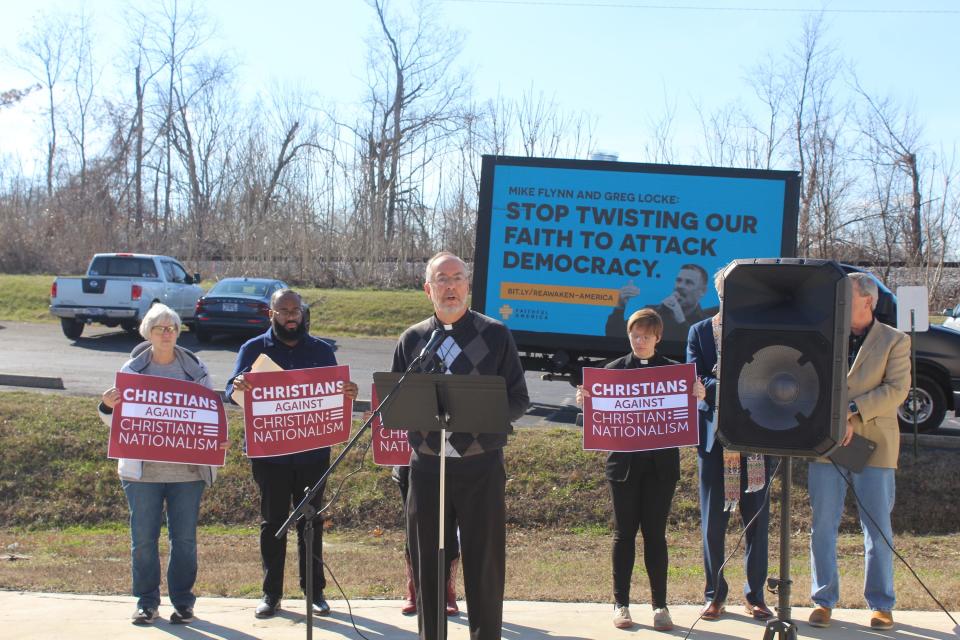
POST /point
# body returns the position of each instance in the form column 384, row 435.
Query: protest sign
column 390, row 446
column 639, row 409
column 299, row 410
column 167, row 420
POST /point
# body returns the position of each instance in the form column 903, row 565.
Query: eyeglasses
column 455, row 281
column 289, row 313
column 163, row 329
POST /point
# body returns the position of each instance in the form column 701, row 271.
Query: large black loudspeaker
column 783, row 356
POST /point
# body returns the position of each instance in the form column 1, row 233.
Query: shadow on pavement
column 345, row 623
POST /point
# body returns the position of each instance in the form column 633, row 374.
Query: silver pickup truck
column 119, row 288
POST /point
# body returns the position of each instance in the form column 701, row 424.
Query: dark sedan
column 236, row 306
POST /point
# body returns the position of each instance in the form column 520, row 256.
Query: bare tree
column 144, row 69
column 495, row 126
column 817, row 125
column 894, row 138
column 661, row 143
column 175, row 34
column 771, row 89
column 721, row 145
column 84, row 77
column 802, row 88
column 46, row 50
column 412, row 100
column 547, row 130
column 914, row 199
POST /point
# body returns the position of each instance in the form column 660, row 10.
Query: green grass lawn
column 339, row 312
column 365, row 312
column 25, row 298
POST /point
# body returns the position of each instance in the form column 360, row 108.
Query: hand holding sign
column 111, row 397
column 300, row 410
column 350, row 389
column 581, row 394
column 166, row 420
column 699, row 391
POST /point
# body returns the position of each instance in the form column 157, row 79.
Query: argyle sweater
column 475, row 345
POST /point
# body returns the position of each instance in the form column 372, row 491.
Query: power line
column 666, row 7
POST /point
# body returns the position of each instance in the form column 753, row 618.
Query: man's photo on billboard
column 679, row 309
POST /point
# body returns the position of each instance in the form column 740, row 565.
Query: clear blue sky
column 615, row 59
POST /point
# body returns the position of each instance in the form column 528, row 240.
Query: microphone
column 432, row 344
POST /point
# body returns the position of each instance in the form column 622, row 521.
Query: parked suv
column 938, row 368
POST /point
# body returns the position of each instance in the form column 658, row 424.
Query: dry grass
column 541, row 565
column 53, row 473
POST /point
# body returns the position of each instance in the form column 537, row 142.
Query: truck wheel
column 202, row 334
column 132, row 327
column 73, row 329
column 931, row 407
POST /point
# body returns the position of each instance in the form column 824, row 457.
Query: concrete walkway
column 55, row 615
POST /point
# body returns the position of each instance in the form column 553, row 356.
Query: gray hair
column 866, row 286
column 718, row 281
column 428, row 272
column 157, row 313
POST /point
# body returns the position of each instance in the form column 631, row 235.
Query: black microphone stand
column 307, row 511
column 782, row 627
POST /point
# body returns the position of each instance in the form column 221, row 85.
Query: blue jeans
column 876, row 488
column 146, row 500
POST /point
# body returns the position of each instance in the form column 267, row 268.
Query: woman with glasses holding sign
column 149, row 486
column 642, row 484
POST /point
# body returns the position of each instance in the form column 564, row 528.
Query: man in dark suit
column 702, row 351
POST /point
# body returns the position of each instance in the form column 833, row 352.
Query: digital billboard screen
column 568, row 249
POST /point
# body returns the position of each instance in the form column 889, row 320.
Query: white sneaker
column 662, row 620
column 621, row 617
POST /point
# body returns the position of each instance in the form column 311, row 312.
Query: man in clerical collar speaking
column 474, row 344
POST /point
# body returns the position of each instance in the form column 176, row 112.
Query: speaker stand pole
column 913, row 371
column 309, row 513
column 441, row 550
column 782, row 626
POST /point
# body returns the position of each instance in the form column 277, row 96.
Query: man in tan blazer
column 878, row 382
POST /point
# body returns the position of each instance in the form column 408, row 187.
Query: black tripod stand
column 782, row 626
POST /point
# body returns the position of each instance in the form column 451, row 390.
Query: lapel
column 873, row 336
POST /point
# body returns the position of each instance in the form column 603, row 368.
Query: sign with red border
column 293, row 411
column 639, row 409
column 166, row 420
column 390, row 446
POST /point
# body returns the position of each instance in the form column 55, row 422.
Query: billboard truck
column 567, row 249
